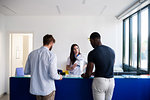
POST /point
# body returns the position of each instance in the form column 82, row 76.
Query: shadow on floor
column 4, row 97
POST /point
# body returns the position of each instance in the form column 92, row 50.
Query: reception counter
column 77, row 88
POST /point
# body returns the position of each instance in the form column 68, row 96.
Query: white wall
column 68, row 30
column 2, row 55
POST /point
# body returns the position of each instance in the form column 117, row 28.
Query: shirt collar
column 45, row 47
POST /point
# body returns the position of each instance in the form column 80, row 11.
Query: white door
column 21, row 46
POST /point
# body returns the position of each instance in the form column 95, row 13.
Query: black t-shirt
column 103, row 57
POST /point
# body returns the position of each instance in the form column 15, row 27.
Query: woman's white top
column 78, row 70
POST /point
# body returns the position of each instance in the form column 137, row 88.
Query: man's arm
column 27, row 70
column 89, row 70
column 53, row 69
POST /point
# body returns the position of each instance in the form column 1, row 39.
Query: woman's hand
column 73, row 66
column 70, row 68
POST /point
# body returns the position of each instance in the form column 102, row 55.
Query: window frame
column 129, row 67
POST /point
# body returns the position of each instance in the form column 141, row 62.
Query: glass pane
column 134, row 41
column 127, row 42
column 144, row 39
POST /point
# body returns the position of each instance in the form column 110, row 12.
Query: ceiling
column 64, row 7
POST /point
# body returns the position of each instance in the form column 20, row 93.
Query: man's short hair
column 47, row 39
column 95, row 35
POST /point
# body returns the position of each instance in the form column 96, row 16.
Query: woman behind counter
column 76, row 62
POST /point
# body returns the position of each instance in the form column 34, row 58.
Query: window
column 127, row 41
column 144, row 39
column 136, row 41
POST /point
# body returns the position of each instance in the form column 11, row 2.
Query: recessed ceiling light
column 4, row 6
column 58, row 9
column 83, row 2
column 103, row 9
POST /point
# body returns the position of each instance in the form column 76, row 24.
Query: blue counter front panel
column 80, row 89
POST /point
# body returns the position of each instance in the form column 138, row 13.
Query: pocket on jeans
column 96, row 88
column 98, row 91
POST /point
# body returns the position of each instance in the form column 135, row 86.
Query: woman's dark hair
column 72, row 55
column 47, row 39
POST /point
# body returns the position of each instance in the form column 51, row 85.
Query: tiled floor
column 5, row 97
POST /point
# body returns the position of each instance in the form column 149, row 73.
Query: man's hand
column 93, row 73
column 61, row 77
column 89, row 70
column 84, row 75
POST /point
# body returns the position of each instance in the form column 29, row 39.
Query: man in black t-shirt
column 103, row 57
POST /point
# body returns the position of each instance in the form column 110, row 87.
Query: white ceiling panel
column 64, row 7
